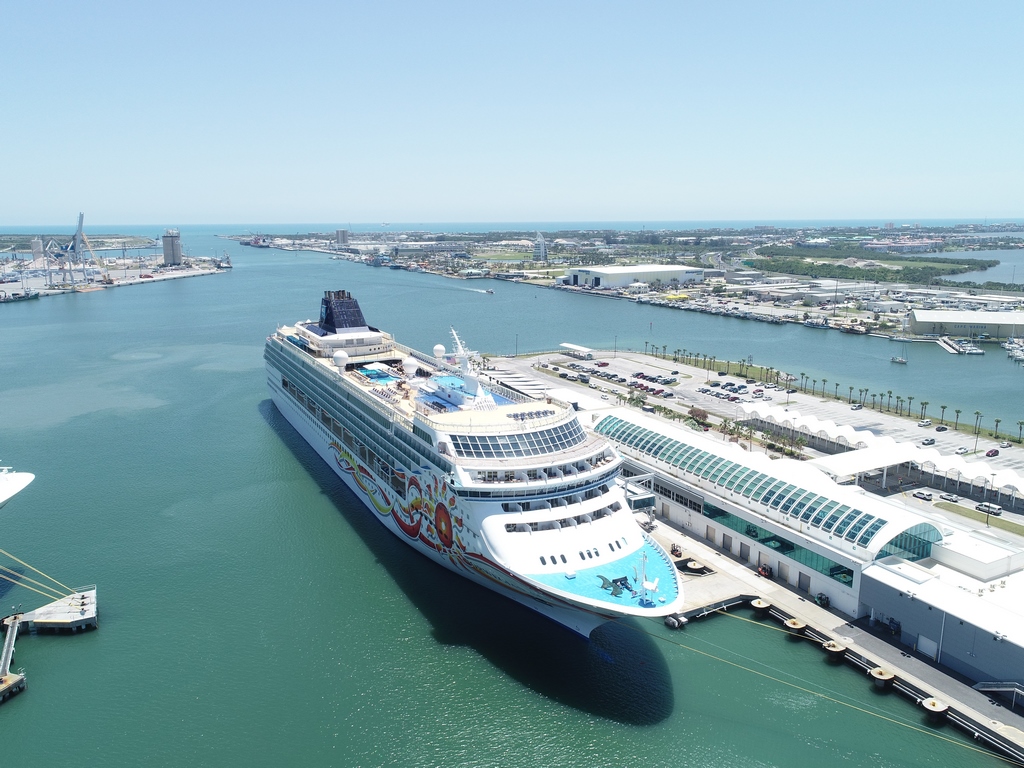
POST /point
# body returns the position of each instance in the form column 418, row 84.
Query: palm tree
column 725, row 428
column 815, row 386
column 942, row 418
column 798, row 445
column 837, row 391
column 1020, row 430
column 873, row 396
column 675, row 355
column 645, row 346
column 803, row 376
column 664, row 348
column 851, row 392
column 924, row 408
column 823, row 383
column 957, row 412
column 889, row 406
column 996, row 435
column 977, row 421
column 910, row 402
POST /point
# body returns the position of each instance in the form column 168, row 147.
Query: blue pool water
column 588, row 584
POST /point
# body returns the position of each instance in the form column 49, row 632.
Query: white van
column 924, row 423
column 989, row 509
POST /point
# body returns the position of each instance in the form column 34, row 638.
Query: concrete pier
column 725, row 582
column 69, row 614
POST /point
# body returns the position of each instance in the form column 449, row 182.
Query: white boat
column 12, row 483
column 503, row 489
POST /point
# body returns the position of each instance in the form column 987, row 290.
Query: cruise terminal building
column 938, row 586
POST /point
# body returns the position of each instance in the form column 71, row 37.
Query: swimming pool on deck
column 594, row 582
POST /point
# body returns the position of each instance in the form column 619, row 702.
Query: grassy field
column 973, row 514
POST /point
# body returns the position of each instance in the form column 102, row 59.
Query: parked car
column 1004, row 444
column 960, row 451
column 924, row 495
column 928, row 441
column 989, row 509
column 941, row 428
column 924, row 423
column 949, row 497
column 992, row 452
column 856, row 407
column 790, row 391
column 716, row 383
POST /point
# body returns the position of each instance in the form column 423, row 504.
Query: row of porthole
column 583, row 556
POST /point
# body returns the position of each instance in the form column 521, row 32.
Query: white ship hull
column 503, row 489
column 574, row 618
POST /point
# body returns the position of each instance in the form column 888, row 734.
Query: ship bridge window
column 514, row 445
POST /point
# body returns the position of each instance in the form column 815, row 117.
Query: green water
column 252, row 613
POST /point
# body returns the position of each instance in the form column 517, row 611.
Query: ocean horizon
column 506, row 226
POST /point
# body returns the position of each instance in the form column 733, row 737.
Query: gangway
column 12, row 623
column 10, row 684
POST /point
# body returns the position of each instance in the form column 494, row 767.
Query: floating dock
column 74, row 613
column 69, row 614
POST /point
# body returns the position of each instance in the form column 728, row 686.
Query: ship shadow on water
column 619, row 673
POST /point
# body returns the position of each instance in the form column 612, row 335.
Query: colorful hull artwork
column 427, row 515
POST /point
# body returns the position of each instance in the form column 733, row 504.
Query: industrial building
column 623, row 277
column 951, row 592
column 968, row 323
column 172, row 248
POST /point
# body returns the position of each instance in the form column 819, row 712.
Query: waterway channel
column 253, row 613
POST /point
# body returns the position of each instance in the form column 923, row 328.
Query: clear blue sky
column 223, row 112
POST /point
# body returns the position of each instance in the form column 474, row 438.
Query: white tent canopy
column 879, row 451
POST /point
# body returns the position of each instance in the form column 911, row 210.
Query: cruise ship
column 12, row 483
column 503, row 489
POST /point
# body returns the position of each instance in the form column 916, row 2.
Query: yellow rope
column 832, row 699
column 22, row 579
column 26, row 586
column 22, row 562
